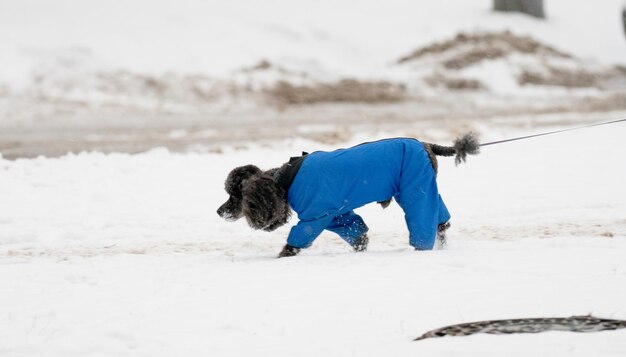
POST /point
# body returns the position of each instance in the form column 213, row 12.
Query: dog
column 325, row 188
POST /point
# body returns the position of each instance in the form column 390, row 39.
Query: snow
column 120, row 254
column 124, row 255
column 217, row 38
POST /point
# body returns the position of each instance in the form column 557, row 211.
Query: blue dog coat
column 329, row 185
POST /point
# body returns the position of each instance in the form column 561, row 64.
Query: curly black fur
column 255, row 195
column 231, row 209
column 264, row 203
column 466, row 145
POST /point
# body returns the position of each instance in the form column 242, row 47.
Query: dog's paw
column 288, row 251
column 361, row 244
column 441, row 234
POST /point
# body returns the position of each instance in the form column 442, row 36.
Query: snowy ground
column 122, row 254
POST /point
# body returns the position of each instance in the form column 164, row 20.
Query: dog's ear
column 237, row 177
column 264, row 203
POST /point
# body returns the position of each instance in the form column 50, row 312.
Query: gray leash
column 553, row 132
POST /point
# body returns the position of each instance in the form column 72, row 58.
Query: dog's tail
column 466, row 145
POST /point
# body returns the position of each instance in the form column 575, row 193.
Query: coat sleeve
column 304, row 233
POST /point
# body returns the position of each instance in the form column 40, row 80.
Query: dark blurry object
column 586, row 323
column 624, row 19
column 288, row 251
column 530, row 7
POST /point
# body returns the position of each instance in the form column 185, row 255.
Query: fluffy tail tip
column 466, row 145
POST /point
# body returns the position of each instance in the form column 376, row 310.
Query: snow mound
column 469, row 61
column 500, row 62
column 467, row 49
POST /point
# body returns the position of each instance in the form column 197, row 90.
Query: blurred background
column 202, row 75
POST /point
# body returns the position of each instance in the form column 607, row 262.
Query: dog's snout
column 230, row 211
column 221, row 210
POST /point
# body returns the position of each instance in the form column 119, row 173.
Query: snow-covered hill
column 96, row 60
column 216, row 38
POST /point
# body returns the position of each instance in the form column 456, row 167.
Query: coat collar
column 287, row 173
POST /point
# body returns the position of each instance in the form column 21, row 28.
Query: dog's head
column 231, row 209
column 254, row 194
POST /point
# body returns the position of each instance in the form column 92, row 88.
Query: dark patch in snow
column 530, row 325
column 470, row 49
column 345, row 90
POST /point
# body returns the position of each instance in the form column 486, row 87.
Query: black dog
column 325, row 187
